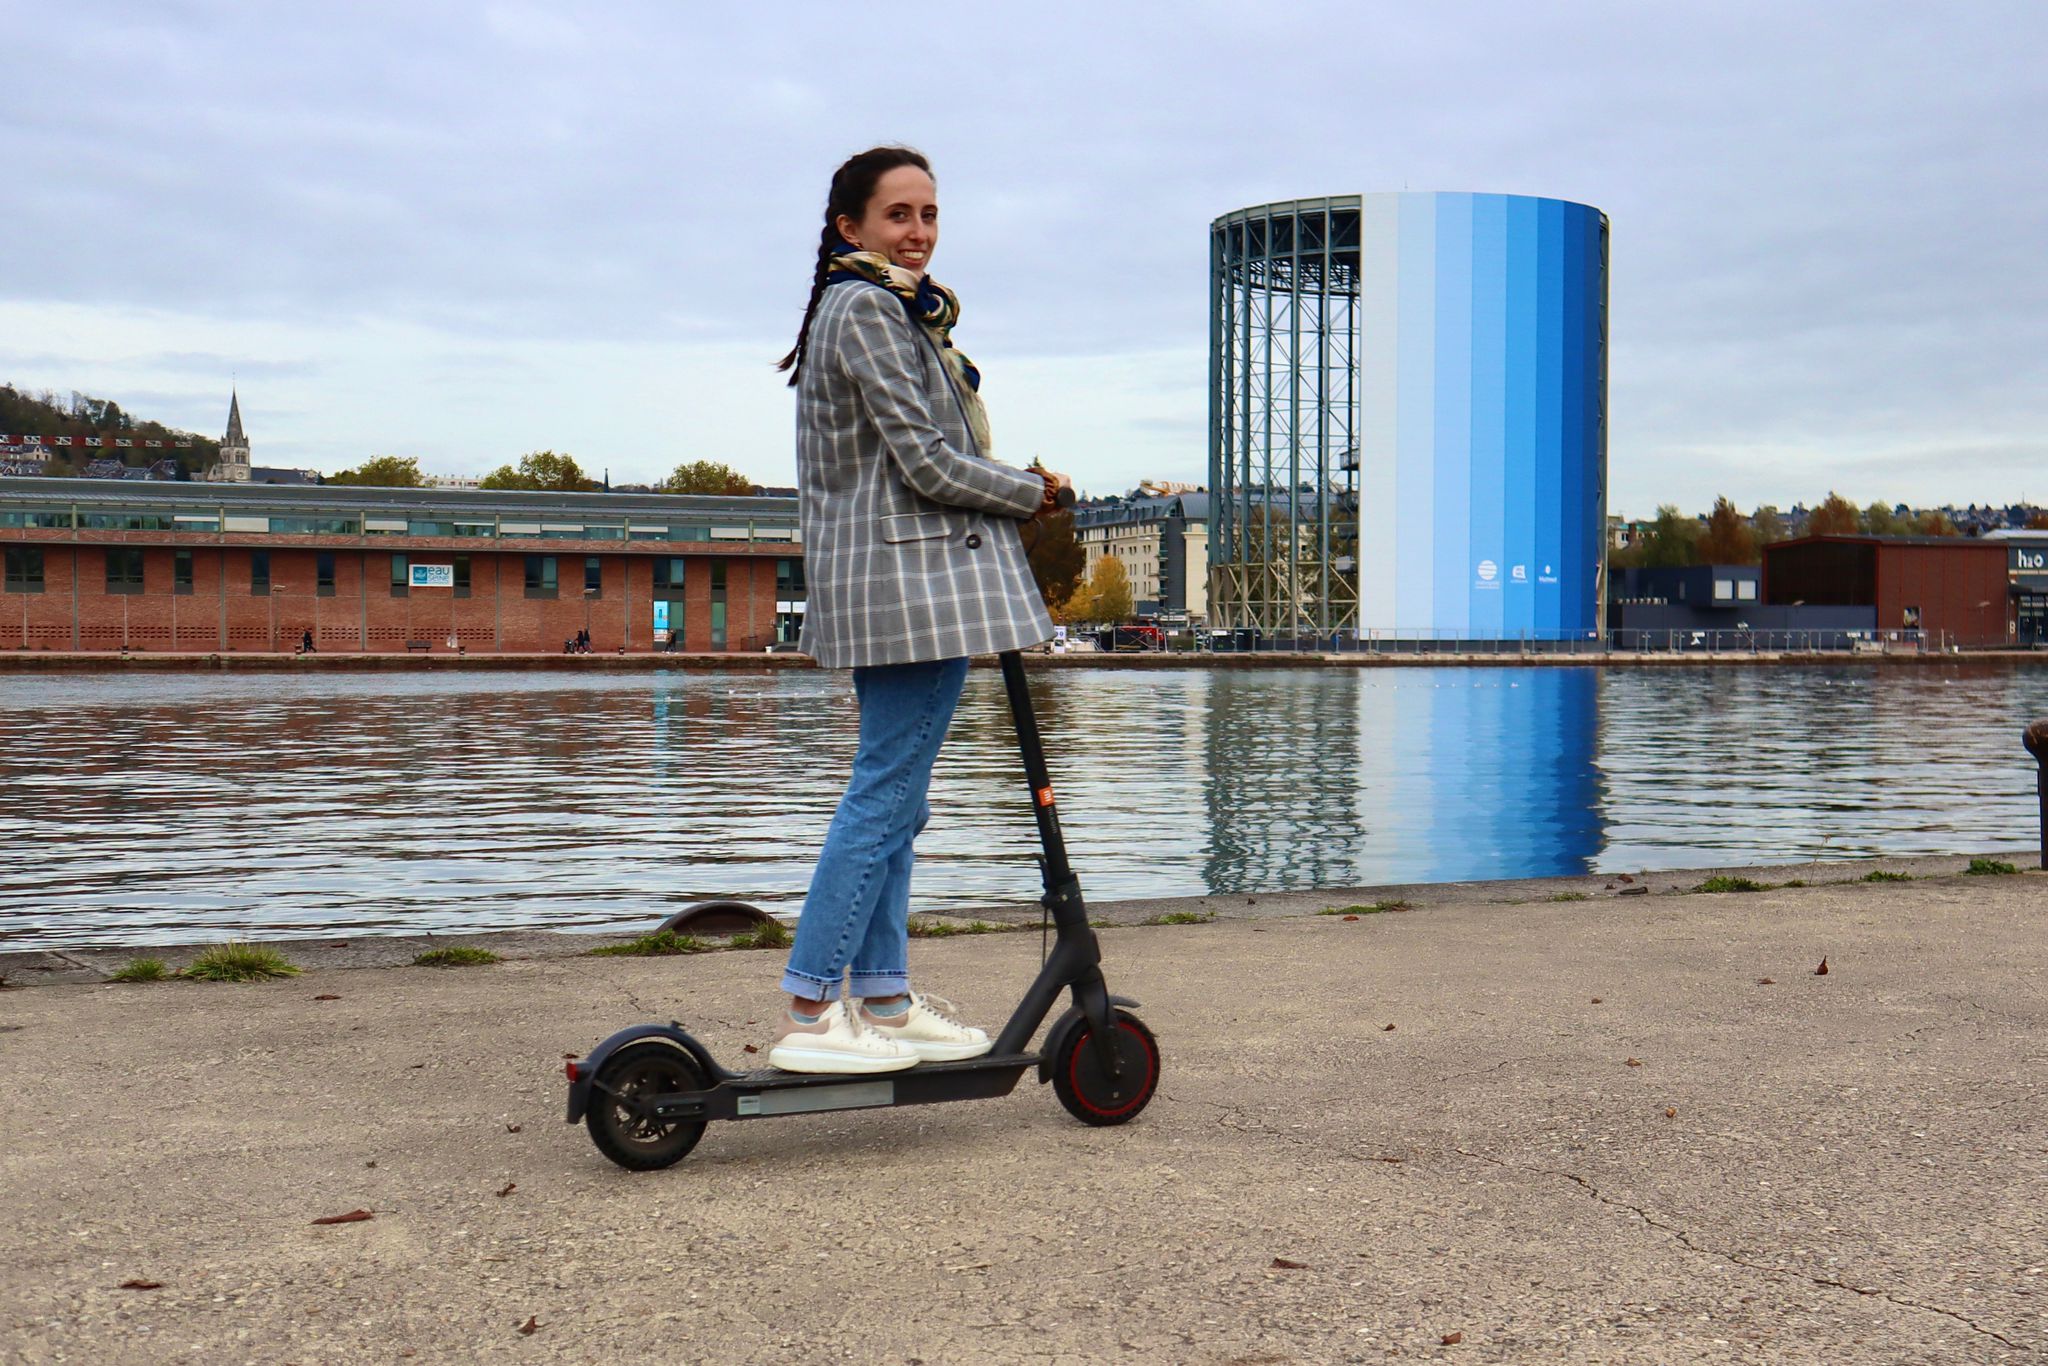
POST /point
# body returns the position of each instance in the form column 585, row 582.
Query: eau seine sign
column 433, row 575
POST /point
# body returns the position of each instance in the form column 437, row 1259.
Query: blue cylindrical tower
column 1408, row 417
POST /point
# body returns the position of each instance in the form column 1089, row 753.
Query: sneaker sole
column 950, row 1052
column 824, row 1060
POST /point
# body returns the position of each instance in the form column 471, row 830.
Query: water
column 153, row 809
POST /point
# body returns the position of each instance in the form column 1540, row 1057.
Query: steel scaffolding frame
column 1283, row 416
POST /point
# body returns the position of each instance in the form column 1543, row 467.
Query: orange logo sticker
column 1045, row 796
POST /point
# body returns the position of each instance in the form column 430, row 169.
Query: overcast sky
column 466, row 231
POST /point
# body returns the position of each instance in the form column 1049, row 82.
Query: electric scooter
column 647, row 1092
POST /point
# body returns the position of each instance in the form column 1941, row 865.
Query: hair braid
column 853, row 185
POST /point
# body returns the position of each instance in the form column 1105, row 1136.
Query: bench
column 419, row 645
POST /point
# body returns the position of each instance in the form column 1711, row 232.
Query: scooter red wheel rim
column 1138, row 1098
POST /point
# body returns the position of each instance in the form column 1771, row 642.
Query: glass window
column 1745, row 589
column 540, row 576
column 648, row 533
column 718, row 626
column 593, row 576
column 401, row 576
column 259, row 573
column 789, row 579
column 24, row 569
column 36, row 517
column 124, row 569
column 1724, row 588
column 690, row 533
column 323, row 569
column 602, row 531
column 181, row 572
column 668, row 575
column 718, row 576
column 419, row 527
column 125, row 519
column 484, row 529
column 316, row 526
column 462, row 576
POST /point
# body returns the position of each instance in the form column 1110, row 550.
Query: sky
column 466, row 231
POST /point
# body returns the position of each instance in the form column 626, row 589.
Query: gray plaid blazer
column 911, row 548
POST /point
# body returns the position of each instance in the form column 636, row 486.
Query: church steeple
column 234, row 435
column 233, row 465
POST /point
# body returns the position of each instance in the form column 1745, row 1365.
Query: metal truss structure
column 1283, row 416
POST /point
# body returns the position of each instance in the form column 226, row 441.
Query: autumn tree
column 707, row 477
column 384, row 472
column 1767, row 525
column 1727, row 539
column 1669, row 542
column 1057, row 558
column 1880, row 519
column 542, row 471
column 1108, row 592
column 1835, row 517
column 2038, row 522
column 1934, row 523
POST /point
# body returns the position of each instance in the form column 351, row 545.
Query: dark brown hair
column 853, row 185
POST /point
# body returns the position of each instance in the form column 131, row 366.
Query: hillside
column 46, row 414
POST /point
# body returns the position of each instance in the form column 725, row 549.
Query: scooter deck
column 771, row 1091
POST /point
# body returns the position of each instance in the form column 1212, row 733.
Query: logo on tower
column 1488, row 571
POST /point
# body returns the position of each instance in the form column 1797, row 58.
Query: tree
column 384, row 472
column 1934, row 523
column 707, row 476
column 1057, row 558
column 1108, row 592
column 1880, row 519
column 1835, row 517
column 1727, row 539
column 543, row 471
column 1767, row 525
column 1671, row 541
column 2038, row 522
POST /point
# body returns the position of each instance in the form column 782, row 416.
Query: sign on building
column 433, row 576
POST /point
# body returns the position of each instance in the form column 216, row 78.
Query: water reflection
column 165, row 808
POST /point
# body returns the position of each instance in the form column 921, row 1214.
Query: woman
column 912, row 555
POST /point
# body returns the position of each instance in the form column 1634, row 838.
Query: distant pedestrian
column 306, row 641
column 911, row 546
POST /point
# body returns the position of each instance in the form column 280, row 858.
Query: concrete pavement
column 1594, row 1132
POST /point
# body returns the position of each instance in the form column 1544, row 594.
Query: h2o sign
column 2029, row 561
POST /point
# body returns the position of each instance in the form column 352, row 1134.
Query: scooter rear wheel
column 1084, row 1085
column 637, row 1073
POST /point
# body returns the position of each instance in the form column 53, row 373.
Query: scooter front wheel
column 1086, row 1087
column 629, row 1078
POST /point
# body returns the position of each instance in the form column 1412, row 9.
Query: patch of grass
column 1795, row 882
column 143, row 970
column 232, row 962
column 772, row 935
column 1722, row 882
column 1181, row 918
column 1570, row 896
column 660, row 944
column 946, row 929
column 1880, row 875
column 458, row 956
column 1989, row 867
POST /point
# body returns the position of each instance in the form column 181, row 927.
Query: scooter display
column 647, row 1092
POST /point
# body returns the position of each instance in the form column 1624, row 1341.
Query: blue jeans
column 858, row 910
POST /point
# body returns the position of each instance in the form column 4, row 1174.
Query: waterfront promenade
column 1492, row 1127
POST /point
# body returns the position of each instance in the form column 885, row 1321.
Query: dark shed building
column 1951, row 588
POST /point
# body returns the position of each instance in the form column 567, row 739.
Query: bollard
column 2037, row 745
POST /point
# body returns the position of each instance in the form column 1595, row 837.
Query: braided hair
column 853, row 185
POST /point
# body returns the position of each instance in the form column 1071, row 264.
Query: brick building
column 237, row 567
column 1959, row 590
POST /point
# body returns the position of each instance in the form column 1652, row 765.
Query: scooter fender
column 588, row 1067
column 1056, row 1037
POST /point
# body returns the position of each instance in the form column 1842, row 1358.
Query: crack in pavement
column 1685, row 1240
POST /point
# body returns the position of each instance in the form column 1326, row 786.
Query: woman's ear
column 844, row 227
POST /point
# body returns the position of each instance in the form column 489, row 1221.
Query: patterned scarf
column 935, row 308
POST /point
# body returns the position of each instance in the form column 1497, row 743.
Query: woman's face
column 901, row 220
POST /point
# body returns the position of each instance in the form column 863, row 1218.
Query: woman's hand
column 1053, row 484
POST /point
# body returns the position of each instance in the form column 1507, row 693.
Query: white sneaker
column 836, row 1041
column 930, row 1028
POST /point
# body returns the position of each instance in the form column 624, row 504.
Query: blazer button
column 973, row 541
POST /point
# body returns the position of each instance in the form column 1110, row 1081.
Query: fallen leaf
column 1670, row 1113
column 139, row 1284
column 1453, row 1339
column 1351, row 917
column 327, row 996
column 1822, row 970
column 1282, row 1264
column 510, row 1186
column 1387, row 1030
column 354, row 1216
column 1596, row 1000
column 749, row 1048
column 1624, row 879
column 1634, row 1062
column 514, row 1128
column 369, row 1164
column 531, row 1326
column 1767, row 981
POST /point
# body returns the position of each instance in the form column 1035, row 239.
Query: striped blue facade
column 1481, row 417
